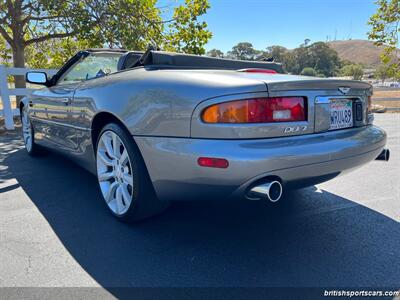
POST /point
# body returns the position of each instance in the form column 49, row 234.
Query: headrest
column 128, row 59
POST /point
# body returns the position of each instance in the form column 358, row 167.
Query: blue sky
column 285, row 22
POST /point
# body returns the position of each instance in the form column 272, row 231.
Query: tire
column 28, row 134
column 123, row 178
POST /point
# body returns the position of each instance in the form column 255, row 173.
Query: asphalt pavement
column 55, row 231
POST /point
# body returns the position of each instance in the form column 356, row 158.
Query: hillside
column 358, row 51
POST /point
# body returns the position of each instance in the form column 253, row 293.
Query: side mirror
column 36, row 77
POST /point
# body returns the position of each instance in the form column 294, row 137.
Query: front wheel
column 28, row 133
column 123, row 177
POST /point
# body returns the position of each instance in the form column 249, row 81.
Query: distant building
column 369, row 73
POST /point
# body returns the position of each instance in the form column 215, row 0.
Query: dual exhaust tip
column 270, row 190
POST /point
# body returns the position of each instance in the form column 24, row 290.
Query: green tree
column 383, row 72
column 277, row 52
column 117, row 23
column 353, row 70
column 5, row 53
column 54, row 53
column 131, row 24
column 301, row 60
column 319, row 56
column 215, row 53
column 324, row 58
column 243, row 51
column 385, row 31
column 186, row 32
column 24, row 23
column 289, row 62
column 307, row 71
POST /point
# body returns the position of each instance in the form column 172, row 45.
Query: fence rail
column 5, row 91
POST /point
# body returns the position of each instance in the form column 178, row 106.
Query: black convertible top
column 179, row 60
column 161, row 59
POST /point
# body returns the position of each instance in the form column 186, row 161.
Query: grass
column 387, row 94
column 358, row 51
column 388, row 104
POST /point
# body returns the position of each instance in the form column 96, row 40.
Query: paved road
column 55, row 231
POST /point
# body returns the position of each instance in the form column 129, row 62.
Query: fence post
column 5, row 98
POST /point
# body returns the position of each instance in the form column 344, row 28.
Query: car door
column 50, row 109
column 52, row 115
column 60, row 118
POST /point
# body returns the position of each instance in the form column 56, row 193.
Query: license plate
column 341, row 113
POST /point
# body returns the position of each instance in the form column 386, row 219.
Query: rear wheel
column 123, row 178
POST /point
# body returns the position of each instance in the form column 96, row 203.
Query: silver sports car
column 156, row 126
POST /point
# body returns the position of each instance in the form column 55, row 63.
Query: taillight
column 256, row 70
column 257, row 110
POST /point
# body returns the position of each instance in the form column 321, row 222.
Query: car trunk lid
column 284, row 82
column 337, row 103
column 348, row 97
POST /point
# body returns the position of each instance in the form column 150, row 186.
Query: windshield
column 93, row 66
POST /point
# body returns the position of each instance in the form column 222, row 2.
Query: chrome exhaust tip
column 270, row 190
column 384, row 155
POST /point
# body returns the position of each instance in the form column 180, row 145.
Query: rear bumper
column 298, row 161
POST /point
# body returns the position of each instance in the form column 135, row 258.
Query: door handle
column 66, row 101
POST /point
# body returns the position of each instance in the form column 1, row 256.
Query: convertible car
column 156, row 127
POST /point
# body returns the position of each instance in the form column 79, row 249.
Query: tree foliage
column 353, row 70
column 133, row 24
column 5, row 53
column 34, row 29
column 24, row 24
column 277, row 52
column 385, row 30
column 243, row 51
column 383, row 72
column 307, row 71
column 54, row 53
column 186, row 32
column 318, row 56
column 215, row 53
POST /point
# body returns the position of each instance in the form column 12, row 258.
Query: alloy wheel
column 27, row 131
column 114, row 172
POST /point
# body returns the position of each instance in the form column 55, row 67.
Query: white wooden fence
column 5, row 92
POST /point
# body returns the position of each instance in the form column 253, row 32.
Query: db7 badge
column 292, row 129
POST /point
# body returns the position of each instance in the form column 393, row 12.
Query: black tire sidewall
column 144, row 201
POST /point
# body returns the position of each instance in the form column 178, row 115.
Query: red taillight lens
column 255, row 70
column 259, row 110
column 213, row 162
